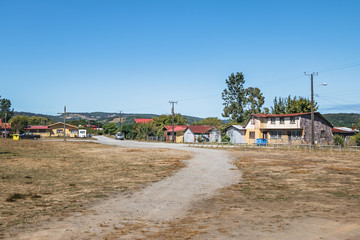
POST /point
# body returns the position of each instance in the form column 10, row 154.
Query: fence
column 275, row 146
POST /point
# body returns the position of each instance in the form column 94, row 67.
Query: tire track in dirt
column 168, row 199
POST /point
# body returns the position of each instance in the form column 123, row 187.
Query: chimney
column 353, row 127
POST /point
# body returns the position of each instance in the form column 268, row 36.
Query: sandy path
column 168, row 199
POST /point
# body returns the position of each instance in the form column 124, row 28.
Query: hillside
column 101, row 116
column 343, row 119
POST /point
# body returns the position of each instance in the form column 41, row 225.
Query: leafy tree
column 5, row 107
column 164, row 119
column 110, row 128
column 126, row 129
column 292, row 105
column 255, row 100
column 18, row 123
column 234, row 97
column 240, row 103
column 356, row 139
column 39, row 121
column 210, row 121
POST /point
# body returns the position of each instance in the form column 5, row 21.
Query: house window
column 322, row 134
column 252, row 135
column 272, row 120
column 292, row 120
column 58, row 131
column 282, row 120
column 296, row 135
column 74, row 131
column 275, row 134
column 42, row 130
column 252, row 120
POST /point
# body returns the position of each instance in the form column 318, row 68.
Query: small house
column 236, row 134
column 197, row 133
column 178, row 133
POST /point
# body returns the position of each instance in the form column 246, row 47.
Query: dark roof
column 286, row 115
column 200, row 129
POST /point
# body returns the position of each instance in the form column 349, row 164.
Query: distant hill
column 343, row 119
column 102, row 116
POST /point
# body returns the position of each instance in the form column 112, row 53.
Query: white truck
column 82, row 133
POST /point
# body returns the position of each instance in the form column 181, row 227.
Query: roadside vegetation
column 39, row 180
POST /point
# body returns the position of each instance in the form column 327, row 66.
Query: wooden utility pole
column 5, row 125
column 172, row 112
column 64, row 122
column 312, row 108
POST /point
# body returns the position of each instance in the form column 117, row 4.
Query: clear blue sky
column 135, row 56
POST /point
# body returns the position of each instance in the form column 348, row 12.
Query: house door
column 265, row 135
column 289, row 136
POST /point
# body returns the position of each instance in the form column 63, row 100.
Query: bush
column 356, row 139
column 338, row 140
column 225, row 138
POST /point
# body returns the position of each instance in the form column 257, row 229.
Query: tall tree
column 164, row 119
column 234, row 97
column 239, row 102
column 210, row 121
column 292, row 105
column 5, row 107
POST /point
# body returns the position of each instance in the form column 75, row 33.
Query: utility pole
column 64, row 122
column 120, row 120
column 5, row 125
column 172, row 112
column 312, row 108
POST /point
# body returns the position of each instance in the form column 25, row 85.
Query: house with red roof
column 178, row 133
column 143, row 120
column 294, row 128
column 195, row 133
column 54, row 130
column 4, row 126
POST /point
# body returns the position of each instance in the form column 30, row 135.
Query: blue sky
column 136, row 55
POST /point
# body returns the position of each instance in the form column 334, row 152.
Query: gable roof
column 200, row 129
column 67, row 125
column 239, row 127
column 36, row 127
column 344, row 130
column 177, row 128
column 261, row 115
column 143, row 120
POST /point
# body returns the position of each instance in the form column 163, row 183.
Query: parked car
column 119, row 136
column 29, row 136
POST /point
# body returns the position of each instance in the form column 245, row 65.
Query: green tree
column 18, row 123
column 234, row 97
column 240, row 103
column 5, row 107
column 292, row 105
column 110, row 128
column 338, row 140
column 164, row 119
column 39, row 121
column 210, row 121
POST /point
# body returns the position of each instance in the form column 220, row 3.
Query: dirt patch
column 283, row 195
column 39, row 180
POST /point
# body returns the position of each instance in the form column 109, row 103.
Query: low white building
column 215, row 135
column 193, row 133
column 236, row 133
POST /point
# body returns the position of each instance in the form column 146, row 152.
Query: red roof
column 37, row 127
column 176, row 128
column 200, row 129
column 279, row 115
column 2, row 125
column 143, row 120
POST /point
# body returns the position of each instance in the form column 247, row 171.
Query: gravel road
column 168, row 199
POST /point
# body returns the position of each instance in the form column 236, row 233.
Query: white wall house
column 236, row 134
column 192, row 133
column 215, row 135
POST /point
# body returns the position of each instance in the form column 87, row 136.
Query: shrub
column 225, row 138
column 338, row 140
column 356, row 139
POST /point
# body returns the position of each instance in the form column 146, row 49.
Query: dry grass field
column 40, row 180
column 284, row 194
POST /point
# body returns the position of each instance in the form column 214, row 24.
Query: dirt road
column 166, row 200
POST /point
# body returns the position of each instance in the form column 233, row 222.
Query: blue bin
column 261, row 142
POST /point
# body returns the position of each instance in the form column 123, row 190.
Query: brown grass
column 39, row 179
column 284, row 194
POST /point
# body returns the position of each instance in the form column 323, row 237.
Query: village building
column 195, row 133
column 215, row 135
column 4, row 126
column 292, row 128
column 345, row 132
column 178, row 133
column 236, row 134
column 54, row 130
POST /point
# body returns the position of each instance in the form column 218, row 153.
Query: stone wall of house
column 319, row 125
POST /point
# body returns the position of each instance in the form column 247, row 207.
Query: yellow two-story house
column 294, row 128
